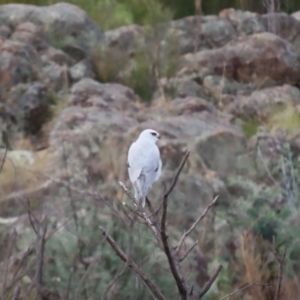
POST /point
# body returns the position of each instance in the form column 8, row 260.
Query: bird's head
column 150, row 134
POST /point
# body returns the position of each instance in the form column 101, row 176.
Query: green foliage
column 63, row 267
column 250, row 127
column 142, row 78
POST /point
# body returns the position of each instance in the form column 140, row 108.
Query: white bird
column 144, row 164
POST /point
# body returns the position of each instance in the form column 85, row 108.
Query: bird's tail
column 140, row 190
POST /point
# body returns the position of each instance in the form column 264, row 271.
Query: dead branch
column 210, row 282
column 173, row 262
column 244, row 288
column 160, row 233
column 5, row 152
column 188, row 251
column 142, row 213
column 113, row 281
column 169, row 191
column 17, row 293
column 122, row 270
column 41, row 240
column 151, row 286
column 280, row 259
column 196, row 223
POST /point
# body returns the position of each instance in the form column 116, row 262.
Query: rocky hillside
column 73, row 98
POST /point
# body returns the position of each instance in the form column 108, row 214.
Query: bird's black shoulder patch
column 156, row 169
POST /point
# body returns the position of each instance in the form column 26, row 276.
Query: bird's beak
column 158, row 137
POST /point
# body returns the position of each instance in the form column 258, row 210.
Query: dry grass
column 287, row 118
column 22, row 172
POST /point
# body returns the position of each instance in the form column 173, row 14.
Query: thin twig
column 114, row 280
column 244, row 288
column 169, row 191
column 17, row 293
column 5, row 153
column 151, row 286
column 188, row 251
column 280, row 260
column 41, row 240
column 150, row 224
column 196, row 223
column 210, row 282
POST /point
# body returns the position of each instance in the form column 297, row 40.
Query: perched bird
column 144, row 164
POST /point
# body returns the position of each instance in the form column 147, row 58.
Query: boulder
column 124, row 38
column 55, row 77
column 245, row 22
column 184, row 87
column 211, row 31
column 107, row 96
column 224, row 90
column 283, row 25
column 191, row 105
column 220, row 150
column 57, row 56
column 5, row 31
column 83, row 69
column 27, row 108
column 19, row 63
column 258, row 58
column 30, row 33
column 88, row 143
column 65, row 24
column 263, row 103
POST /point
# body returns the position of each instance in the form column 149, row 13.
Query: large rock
column 19, row 62
column 220, row 151
column 283, row 25
column 263, row 103
column 245, row 22
column 27, row 108
column 30, row 33
column 108, row 96
column 125, row 38
column 66, row 24
column 88, row 144
column 211, row 32
column 224, row 90
column 258, row 58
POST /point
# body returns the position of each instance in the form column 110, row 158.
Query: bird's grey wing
column 158, row 173
column 134, row 162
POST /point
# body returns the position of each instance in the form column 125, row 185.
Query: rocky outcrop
column 65, row 24
column 261, row 58
column 239, row 71
column 263, row 103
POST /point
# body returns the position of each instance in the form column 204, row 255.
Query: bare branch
column 151, row 286
column 210, row 282
column 150, row 224
column 280, row 260
column 169, row 191
column 244, row 288
column 17, row 293
column 41, row 240
column 171, row 258
column 5, row 153
column 196, row 223
column 188, row 251
column 114, row 280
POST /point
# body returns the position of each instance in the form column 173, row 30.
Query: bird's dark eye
column 153, row 133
